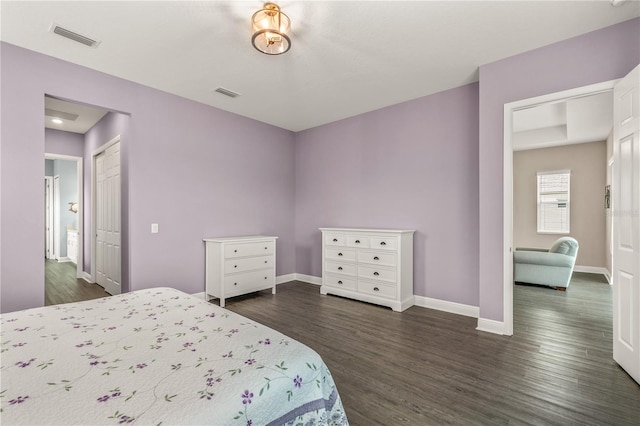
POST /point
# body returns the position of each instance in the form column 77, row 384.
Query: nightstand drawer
column 247, row 282
column 247, row 264
column 249, row 249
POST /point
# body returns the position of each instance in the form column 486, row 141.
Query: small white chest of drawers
column 239, row 265
column 372, row 265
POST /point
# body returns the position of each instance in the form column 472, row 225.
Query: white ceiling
column 347, row 57
column 579, row 120
column 76, row 118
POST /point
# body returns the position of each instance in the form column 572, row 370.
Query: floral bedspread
column 157, row 356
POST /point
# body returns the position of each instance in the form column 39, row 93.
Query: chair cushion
column 565, row 245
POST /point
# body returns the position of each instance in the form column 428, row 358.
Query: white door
column 108, row 227
column 626, row 224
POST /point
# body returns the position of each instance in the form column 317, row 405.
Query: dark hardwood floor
column 426, row 367
column 62, row 286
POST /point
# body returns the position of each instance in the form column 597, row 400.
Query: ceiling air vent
column 227, row 92
column 71, row 35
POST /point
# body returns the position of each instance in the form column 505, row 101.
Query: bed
column 157, row 356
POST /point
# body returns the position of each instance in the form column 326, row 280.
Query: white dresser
column 372, row 265
column 239, row 265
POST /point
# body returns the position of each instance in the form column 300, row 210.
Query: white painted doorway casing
column 48, row 215
column 80, row 185
column 506, row 327
column 106, row 223
column 626, row 224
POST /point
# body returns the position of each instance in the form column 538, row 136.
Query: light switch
column 154, row 228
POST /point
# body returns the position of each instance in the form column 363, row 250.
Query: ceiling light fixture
column 270, row 28
column 56, row 120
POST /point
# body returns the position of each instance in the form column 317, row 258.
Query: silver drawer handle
column 265, row 278
column 376, row 258
column 339, row 254
column 339, row 268
column 235, row 283
column 265, row 261
column 376, row 274
column 335, row 240
column 265, row 248
column 376, row 289
column 357, row 241
column 235, row 251
column 339, row 282
column 382, row 243
column 235, row 266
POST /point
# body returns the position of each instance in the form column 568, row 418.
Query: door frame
column 507, row 183
column 80, row 184
column 94, row 155
column 48, row 240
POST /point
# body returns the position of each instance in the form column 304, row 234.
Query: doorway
column 508, row 223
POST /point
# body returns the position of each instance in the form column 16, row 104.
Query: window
column 553, row 202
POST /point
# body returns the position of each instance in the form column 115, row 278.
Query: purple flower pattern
column 246, row 397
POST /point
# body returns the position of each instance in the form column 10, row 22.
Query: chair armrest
column 531, row 249
column 544, row 258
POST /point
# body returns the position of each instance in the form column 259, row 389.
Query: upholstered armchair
column 552, row 267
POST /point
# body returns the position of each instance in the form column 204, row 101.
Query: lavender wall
column 412, row 166
column 195, row 170
column 598, row 56
column 63, row 143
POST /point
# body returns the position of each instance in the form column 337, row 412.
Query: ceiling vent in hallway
column 227, row 92
column 71, row 35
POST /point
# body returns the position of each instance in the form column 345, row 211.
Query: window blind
column 553, row 202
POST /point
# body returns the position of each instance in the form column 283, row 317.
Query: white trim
column 507, row 188
column 285, row 278
column 80, row 175
column 308, row 279
column 49, row 194
column 64, row 259
column 446, row 306
column 492, row 326
column 86, row 277
column 94, row 154
column 593, row 270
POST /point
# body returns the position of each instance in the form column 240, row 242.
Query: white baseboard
column 64, row 259
column 308, row 279
column 285, row 278
column 594, row 270
column 85, row 276
column 490, row 326
column 451, row 307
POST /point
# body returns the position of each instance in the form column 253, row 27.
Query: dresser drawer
column 249, row 249
column 377, row 257
column 357, row 241
column 388, row 243
column 247, row 282
column 340, row 282
column 332, row 253
column 334, row 239
column 247, row 264
column 371, row 272
column 340, row 268
column 377, row 289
